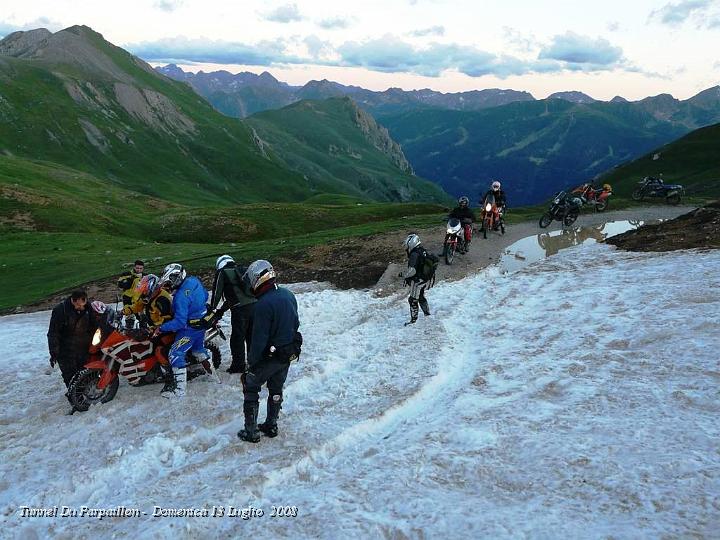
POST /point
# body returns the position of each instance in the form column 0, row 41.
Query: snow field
column 577, row 397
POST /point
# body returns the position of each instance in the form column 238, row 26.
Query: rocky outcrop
column 379, row 137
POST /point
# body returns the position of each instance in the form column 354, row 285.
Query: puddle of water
column 534, row 248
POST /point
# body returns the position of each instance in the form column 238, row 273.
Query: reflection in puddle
column 534, row 248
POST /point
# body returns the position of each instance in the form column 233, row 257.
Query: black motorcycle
column 565, row 208
column 656, row 188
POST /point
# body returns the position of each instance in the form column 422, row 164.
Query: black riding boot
column 424, row 306
column 170, row 384
column 269, row 426
column 250, row 432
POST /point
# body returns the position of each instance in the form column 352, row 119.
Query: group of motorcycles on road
column 565, row 206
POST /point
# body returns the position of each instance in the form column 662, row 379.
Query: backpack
column 428, row 266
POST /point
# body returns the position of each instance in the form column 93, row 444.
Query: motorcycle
column 492, row 216
column 599, row 198
column 656, row 188
column 116, row 351
column 454, row 240
column 565, row 207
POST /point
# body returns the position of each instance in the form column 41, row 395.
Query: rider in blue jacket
column 189, row 301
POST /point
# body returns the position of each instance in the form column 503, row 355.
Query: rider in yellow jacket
column 128, row 283
column 153, row 301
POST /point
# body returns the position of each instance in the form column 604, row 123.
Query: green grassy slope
column 323, row 141
column 693, row 160
column 117, row 119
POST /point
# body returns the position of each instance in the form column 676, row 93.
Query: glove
column 156, row 332
column 52, row 361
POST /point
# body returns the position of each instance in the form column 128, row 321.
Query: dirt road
column 485, row 252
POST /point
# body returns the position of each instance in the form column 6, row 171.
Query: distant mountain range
column 464, row 140
column 245, row 93
column 74, row 99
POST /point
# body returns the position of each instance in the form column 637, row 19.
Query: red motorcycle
column 597, row 198
column 492, row 218
column 135, row 356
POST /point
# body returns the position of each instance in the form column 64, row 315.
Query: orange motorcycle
column 492, row 217
column 116, row 351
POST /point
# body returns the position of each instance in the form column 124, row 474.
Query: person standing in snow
column 229, row 288
column 69, row 335
column 275, row 343
column 189, row 299
column 419, row 276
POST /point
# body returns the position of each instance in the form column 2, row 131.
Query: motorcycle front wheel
column 545, row 220
column 637, row 195
column 449, row 253
column 83, row 391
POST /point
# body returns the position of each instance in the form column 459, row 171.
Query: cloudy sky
column 633, row 48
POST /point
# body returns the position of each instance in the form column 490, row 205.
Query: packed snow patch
column 576, row 397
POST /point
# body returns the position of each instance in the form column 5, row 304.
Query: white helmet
column 222, row 261
column 495, row 185
column 411, row 242
column 174, row 274
column 259, row 272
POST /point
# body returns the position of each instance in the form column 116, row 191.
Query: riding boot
column 424, row 306
column 175, row 388
column 250, row 432
column 413, row 310
column 269, row 426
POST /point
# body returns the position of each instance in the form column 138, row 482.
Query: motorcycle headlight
column 488, row 207
column 96, row 338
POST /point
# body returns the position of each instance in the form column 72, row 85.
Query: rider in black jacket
column 72, row 325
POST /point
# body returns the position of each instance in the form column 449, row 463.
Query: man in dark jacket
column 228, row 287
column 467, row 217
column 72, row 325
column 275, row 343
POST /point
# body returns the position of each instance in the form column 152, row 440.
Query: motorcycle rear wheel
column 637, row 195
column 602, row 205
column 83, row 392
column 545, row 220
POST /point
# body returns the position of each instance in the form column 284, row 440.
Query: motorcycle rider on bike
column 189, row 300
column 463, row 212
column 500, row 199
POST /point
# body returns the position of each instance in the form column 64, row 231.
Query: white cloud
column 575, row 49
column 702, row 12
column 41, row 22
column 168, row 5
column 284, row 14
column 437, row 30
column 334, row 23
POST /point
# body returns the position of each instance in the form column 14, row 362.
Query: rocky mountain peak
column 573, row 96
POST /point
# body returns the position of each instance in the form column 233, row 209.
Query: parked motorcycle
column 454, row 240
column 492, row 217
column 565, row 207
column 599, row 198
column 656, row 188
column 116, row 351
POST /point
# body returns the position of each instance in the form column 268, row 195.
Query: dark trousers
column 241, row 322
column 272, row 372
column 69, row 366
